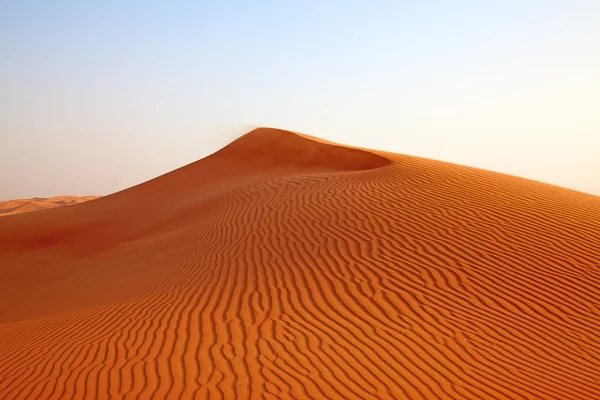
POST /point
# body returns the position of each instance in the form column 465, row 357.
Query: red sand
column 287, row 267
column 38, row 203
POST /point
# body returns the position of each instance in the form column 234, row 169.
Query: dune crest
column 269, row 145
column 283, row 266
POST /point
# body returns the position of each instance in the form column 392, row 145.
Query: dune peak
column 302, row 150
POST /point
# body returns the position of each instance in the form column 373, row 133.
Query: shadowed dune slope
column 284, row 266
column 38, row 203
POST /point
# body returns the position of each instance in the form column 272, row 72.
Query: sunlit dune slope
column 38, row 203
column 287, row 267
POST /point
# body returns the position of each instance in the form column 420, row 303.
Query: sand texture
column 284, row 266
column 39, row 203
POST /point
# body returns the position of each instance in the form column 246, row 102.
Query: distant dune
column 40, row 203
column 284, row 266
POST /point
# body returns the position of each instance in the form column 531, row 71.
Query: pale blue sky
column 96, row 96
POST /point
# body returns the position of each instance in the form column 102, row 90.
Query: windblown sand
column 283, row 266
column 40, row 203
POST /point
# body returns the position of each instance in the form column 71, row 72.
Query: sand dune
column 284, row 266
column 39, row 203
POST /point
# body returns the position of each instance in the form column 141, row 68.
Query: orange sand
column 286, row 267
column 38, row 203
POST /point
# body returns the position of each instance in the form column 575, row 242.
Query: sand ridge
column 288, row 267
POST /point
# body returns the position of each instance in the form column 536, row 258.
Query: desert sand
column 284, row 266
column 40, row 203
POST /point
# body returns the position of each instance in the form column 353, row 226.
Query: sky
column 97, row 96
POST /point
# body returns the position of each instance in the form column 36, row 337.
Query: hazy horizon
column 98, row 97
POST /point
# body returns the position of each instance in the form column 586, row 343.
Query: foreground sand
column 40, row 203
column 283, row 267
